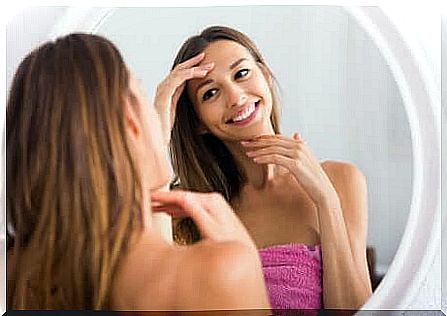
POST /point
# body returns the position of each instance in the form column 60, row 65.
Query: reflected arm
column 343, row 232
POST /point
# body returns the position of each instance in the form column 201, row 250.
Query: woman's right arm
column 223, row 271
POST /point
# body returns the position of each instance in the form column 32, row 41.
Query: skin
column 156, row 275
column 289, row 196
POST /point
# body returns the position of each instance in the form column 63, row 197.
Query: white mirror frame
column 421, row 239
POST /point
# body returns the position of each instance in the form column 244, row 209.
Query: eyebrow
column 232, row 66
column 237, row 62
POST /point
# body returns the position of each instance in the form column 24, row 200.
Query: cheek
column 262, row 85
column 208, row 116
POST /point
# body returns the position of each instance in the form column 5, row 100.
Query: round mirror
column 336, row 89
column 352, row 87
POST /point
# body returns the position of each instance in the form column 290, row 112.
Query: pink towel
column 292, row 274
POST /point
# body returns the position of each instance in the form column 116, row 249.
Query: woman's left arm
column 339, row 193
column 343, row 233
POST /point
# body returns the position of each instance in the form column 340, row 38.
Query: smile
column 245, row 116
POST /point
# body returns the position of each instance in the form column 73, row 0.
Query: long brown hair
column 202, row 162
column 72, row 198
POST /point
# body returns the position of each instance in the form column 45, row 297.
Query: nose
column 236, row 96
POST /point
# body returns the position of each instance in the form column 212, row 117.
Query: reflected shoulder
column 340, row 171
column 351, row 187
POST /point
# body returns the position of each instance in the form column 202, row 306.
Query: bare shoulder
column 207, row 275
column 220, row 275
column 347, row 179
column 146, row 272
column 343, row 173
column 351, row 187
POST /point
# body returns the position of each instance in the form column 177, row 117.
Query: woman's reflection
column 308, row 219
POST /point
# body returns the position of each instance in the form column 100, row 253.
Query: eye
column 209, row 94
column 241, row 73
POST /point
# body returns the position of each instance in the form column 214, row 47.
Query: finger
column 182, row 75
column 263, row 142
column 191, row 62
column 267, row 136
column 189, row 203
column 217, row 207
column 279, row 136
column 287, row 152
column 179, row 198
column 175, row 81
column 174, row 211
column 296, row 166
column 297, row 136
column 277, row 160
column 176, row 96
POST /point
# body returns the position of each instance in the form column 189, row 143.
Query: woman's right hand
column 214, row 218
column 233, row 276
column 169, row 90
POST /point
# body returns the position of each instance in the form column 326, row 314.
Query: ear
column 132, row 122
column 267, row 73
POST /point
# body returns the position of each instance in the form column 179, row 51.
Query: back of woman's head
column 201, row 161
column 72, row 185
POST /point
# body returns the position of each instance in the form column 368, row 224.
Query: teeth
column 246, row 113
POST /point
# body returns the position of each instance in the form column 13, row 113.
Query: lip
column 247, row 120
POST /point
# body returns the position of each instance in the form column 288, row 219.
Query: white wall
column 25, row 32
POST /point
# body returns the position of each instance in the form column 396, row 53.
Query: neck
column 162, row 222
column 257, row 175
column 158, row 223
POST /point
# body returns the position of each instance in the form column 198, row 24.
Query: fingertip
column 202, row 73
column 155, row 195
column 156, row 204
column 297, row 136
column 200, row 55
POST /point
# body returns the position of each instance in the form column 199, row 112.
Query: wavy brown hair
column 202, row 162
column 72, row 198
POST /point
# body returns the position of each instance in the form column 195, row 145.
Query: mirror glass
column 335, row 89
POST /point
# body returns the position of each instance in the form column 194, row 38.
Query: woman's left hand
column 294, row 155
column 342, row 223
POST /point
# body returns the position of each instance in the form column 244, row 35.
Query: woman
column 303, row 216
column 84, row 161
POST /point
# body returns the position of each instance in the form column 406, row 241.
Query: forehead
column 224, row 52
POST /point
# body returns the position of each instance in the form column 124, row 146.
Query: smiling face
column 234, row 101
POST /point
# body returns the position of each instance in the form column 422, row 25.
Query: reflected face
column 234, row 100
column 155, row 168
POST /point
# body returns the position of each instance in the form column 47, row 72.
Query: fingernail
column 249, row 153
column 244, row 142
